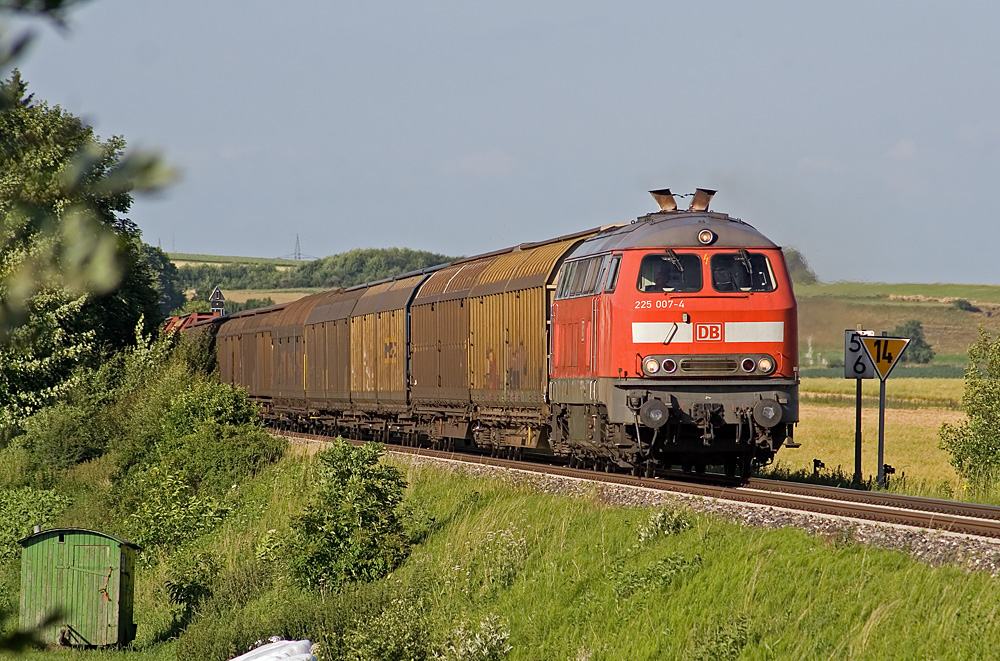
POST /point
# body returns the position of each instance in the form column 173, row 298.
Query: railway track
column 934, row 514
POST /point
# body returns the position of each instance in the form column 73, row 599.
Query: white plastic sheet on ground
column 286, row 650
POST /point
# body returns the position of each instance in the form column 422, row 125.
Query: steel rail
column 880, row 507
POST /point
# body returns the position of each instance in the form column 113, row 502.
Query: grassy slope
column 572, row 580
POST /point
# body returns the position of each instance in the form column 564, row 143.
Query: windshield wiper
column 674, row 259
column 744, row 258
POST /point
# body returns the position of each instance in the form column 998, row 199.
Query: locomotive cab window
column 742, row 272
column 670, row 272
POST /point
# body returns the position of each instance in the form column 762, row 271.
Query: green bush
column 401, row 632
column 22, row 508
column 352, row 529
column 247, row 608
column 61, row 436
column 213, row 458
column 665, row 521
column 973, row 444
column 203, row 401
column 964, row 306
column 189, row 583
column 486, row 640
column 917, row 351
column 165, row 512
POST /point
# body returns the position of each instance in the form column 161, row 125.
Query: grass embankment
column 573, row 578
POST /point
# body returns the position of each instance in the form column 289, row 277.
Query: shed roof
column 38, row 536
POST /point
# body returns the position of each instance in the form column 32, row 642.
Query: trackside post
column 857, row 365
column 884, row 352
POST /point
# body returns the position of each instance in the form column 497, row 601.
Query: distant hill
column 827, row 310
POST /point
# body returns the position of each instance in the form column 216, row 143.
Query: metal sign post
column 857, row 365
column 884, row 352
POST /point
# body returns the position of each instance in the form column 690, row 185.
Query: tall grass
column 586, row 583
column 549, row 576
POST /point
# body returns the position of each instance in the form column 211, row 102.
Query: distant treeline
column 346, row 269
column 354, row 267
column 798, row 268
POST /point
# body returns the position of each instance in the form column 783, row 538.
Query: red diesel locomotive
column 667, row 341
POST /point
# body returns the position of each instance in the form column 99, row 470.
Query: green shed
column 87, row 577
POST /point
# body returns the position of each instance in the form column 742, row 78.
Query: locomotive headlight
column 669, row 366
column 766, row 364
column 707, row 237
column 651, row 365
column 748, row 365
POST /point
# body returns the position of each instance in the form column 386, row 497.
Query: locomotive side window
column 742, row 272
column 613, row 274
column 580, row 278
column 670, row 272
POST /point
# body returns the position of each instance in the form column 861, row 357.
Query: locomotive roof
column 674, row 229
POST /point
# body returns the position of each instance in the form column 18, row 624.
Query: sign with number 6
column 857, row 363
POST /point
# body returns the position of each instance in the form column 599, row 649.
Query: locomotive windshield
column 670, row 272
column 742, row 272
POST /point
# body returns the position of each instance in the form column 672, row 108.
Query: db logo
column 708, row 332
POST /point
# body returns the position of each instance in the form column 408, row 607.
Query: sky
column 864, row 134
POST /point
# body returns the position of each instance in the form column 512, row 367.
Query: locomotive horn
column 665, row 199
column 701, row 200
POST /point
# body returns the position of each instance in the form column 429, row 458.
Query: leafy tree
column 362, row 265
column 51, row 256
column 195, row 305
column 974, row 444
column 38, row 363
column 917, row 351
column 63, row 194
column 798, row 268
column 352, row 529
column 167, row 282
column 74, row 276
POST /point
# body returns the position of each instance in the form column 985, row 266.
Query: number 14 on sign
column 884, row 352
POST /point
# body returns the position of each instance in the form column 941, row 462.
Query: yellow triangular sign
column 884, row 352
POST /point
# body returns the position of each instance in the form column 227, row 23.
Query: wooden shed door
column 94, row 591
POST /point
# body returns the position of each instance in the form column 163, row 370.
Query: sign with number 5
column 857, row 363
